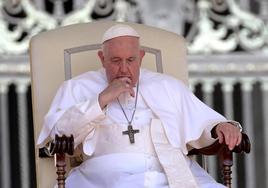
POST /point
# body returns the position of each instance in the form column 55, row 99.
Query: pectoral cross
column 130, row 132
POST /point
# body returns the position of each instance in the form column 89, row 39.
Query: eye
column 130, row 60
column 115, row 61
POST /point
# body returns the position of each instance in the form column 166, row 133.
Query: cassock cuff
column 234, row 123
column 95, row 110
column 104, row 110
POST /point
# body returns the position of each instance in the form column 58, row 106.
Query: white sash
column 172, row 159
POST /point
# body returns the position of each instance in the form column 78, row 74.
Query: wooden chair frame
column 65, row 145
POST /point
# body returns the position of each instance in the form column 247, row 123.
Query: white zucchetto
column 119, row 30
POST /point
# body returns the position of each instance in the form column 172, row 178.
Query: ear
column 142, row 53
column 101, row 56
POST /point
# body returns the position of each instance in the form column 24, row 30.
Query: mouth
column 124, row 76
column 118, row 77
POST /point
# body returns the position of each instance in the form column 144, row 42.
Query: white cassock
column 171, row 120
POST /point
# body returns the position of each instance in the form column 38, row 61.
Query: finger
column 227, row 138
column 125, row 79
column 231, row 147
column 233, row 140
column 239, row 140
column 232, row 144
column 126, row 84
column 124, row 87
column 237, row 137
column 132, row 92
column 220, row 136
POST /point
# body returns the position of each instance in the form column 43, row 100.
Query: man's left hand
column 228, row 133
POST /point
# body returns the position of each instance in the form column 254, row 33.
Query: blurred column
column 244, row 4
column 247, row 86
column 228, row 97
column 122, row 9
column 192, row 83
column 39, row 4
column 21, row 89
column 209, row 162
column 229, row 113
column 58, row 11
column 263, row 9
column 264, row 87
column 77, row 4
column 4, row 136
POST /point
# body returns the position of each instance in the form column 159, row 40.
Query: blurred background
column 227, row 61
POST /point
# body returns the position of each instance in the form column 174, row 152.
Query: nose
column 123, row 66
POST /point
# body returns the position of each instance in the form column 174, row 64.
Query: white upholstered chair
column 62, row 53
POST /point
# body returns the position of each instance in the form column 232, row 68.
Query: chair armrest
column 60, row 145
column 216, row 147
column 58, row 148
column 225, row 155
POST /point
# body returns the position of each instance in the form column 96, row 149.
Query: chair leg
column 61, row 165
column 227, row 175
column 226, row 163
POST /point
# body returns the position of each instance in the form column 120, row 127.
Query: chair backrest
column 59, row 54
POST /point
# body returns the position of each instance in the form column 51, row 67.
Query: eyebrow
column 119, row 58
column 132, row 57
column 115, row 58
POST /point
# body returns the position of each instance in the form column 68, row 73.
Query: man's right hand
column 114, row 89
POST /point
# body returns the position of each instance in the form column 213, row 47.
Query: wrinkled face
column 121, row 57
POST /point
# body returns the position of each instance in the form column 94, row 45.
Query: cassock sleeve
column 79, row 120
column 187, row 120
column 198, row 119
column 71, row 114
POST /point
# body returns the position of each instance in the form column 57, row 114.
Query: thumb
column 220, row 136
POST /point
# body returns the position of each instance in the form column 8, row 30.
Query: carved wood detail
column 65, row 145
column 225, row 156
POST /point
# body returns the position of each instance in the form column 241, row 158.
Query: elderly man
column 135, row 126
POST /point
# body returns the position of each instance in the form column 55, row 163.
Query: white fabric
column 121, row 170
column 124, row 164
column 117, row 163
column 173, row 161
column 186, row 120
column 119, row 30
column 111, row 171
column 109, row 139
